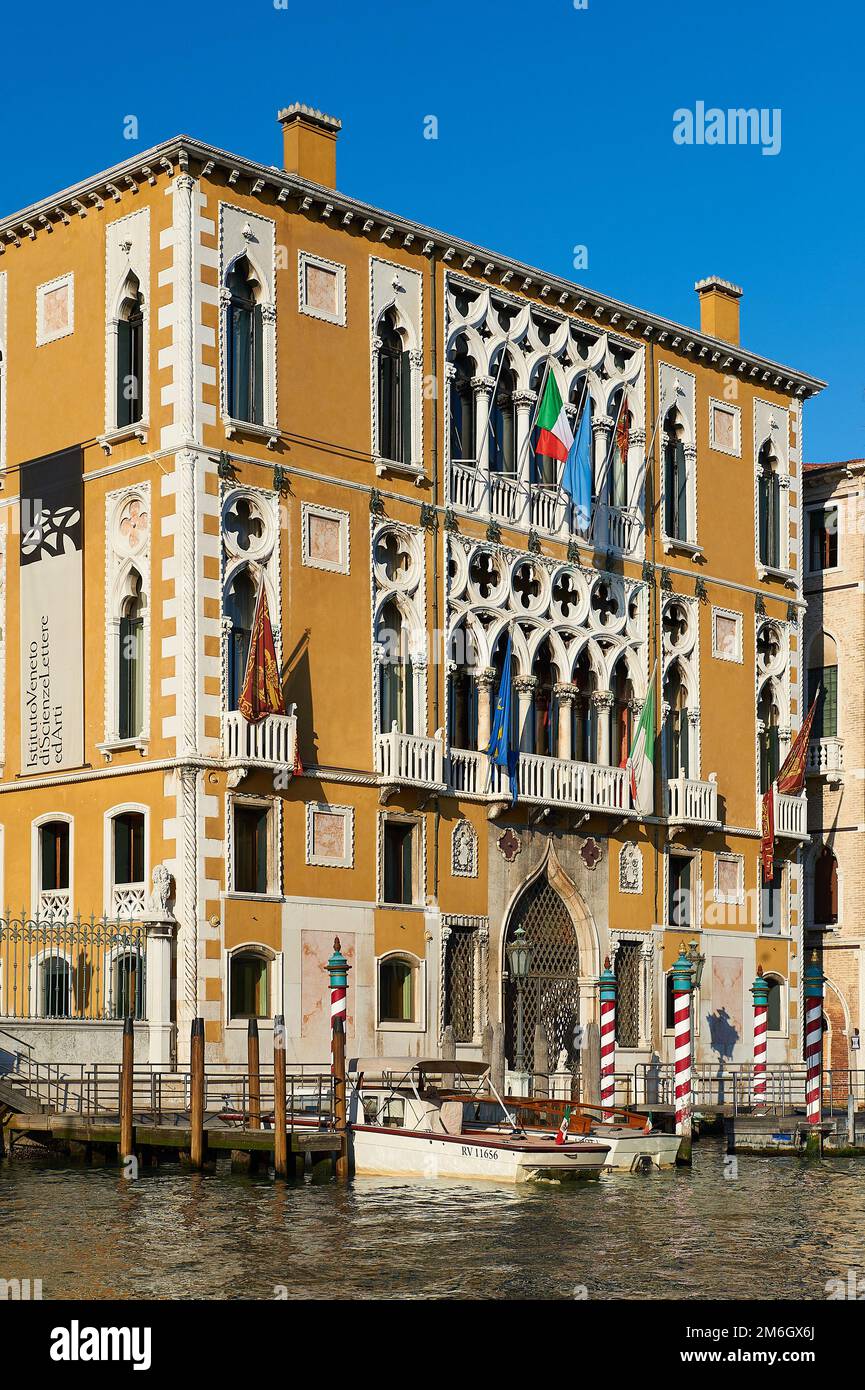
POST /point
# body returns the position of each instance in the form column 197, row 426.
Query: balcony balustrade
column 825, row 758
column 412, row 760
column 502, row 498
column 791, row 816
column 270, row 743
column 543, row 781
column 691, row 802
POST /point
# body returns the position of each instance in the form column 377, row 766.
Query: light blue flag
column 577, row 472
column 500, row 752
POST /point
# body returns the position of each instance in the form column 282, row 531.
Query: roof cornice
column 482, row 264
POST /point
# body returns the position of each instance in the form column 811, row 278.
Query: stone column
column 482, row 386
column 525, row 687
column 602, row 428
column 524, row 402
column 602, row 703
column 160, row 925
column 565, row 694
column 484, row 680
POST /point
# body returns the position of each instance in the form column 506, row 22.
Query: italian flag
column 641, row 759
column 556, row 435
column 562, row 1130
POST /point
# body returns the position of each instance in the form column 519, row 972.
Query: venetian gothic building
column 221, row 379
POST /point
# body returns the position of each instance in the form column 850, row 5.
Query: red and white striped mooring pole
column 813, row 1038
column 338, row 968
column 760, row 992
column 607, row 983
column 682, row 986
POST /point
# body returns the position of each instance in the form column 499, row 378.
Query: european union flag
column 577, row 472
column 500, row 752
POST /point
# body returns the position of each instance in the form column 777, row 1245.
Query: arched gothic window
column 502, row 434
column 394, row 392
column 463, row 694
column 462, row 422
column 129, row 365
column 769, row 719
column 585, row 723
column 240, row 610
column 620, row 715
column 677, row 734
column 675, row 477
column 544, row 711
column 396, row 688
column 244, row 345
column 826, row 888
column 130, row 660
column 615, row 492
column 769, row 506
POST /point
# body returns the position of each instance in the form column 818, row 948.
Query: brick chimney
column 719, row 308
column 309, row 143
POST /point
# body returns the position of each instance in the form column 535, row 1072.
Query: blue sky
column 554, row 130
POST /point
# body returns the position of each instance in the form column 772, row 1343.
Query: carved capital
column 485, row 677
column 565, row 692
column 525, row 685
column 603, row 699
column 483, row 385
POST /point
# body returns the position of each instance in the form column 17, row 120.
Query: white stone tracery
column 488, row 329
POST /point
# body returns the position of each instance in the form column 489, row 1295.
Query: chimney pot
column 309, row 143
column 719, row 308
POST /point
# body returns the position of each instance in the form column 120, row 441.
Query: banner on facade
column 52, row 668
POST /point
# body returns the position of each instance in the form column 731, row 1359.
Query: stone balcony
column 692, row 802
column 500, row 497
column 826, row 759
column 791, row 817
column 270, row 743
column 410, row 760
column 543, row 781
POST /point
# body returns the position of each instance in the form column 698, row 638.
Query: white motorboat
column 635, row 1145
column 409, row 1117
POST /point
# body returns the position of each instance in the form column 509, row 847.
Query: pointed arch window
column 396, row 690
column 616, row 481
column 621, row 715
column 240, row 612
column 394, row 392
column 769, row 721
column 769, row 507
column 129, row 364
column 502, row 435
column 585, row 731
column 462, row 413
column 130, row 660
column 677, row 737
column 675, row 478
column 245, row 344
column 826, row 889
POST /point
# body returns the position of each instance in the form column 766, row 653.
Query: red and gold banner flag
column 767, row 842
column 623, row 432
column 262, row 690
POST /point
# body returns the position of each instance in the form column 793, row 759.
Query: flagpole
column 647, row 455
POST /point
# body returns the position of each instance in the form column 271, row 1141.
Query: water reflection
column 780, row 1229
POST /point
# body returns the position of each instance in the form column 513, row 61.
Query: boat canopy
column 442, row 1065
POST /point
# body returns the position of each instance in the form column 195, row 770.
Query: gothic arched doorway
column 551, row 993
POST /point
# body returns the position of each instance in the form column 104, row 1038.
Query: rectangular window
column 771, row 903
column 824, row 679
column 628, row 964
column 459, row 983
column 822, row 525
column 131, row 693
column 250, row 849
column 54, row 854
column 398, row 862
column 680, row 891
column 129, row 848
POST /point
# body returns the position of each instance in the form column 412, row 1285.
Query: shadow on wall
column 723, row 1035
column 297, row 690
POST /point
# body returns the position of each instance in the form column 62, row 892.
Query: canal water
column 757, row 1228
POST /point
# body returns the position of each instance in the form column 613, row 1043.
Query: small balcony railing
column 825, row 757
column 791, row 816
column 53, row 904
column 410, row 759
column 271, row 743
column 691, row 802
column 503, row 498
column 542, row 781
column 128, row 900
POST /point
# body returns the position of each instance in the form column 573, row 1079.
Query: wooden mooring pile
column 199, row 1116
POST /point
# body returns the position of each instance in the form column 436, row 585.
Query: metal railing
column 733, row 1085
column 72, row 968
column 162, row 1095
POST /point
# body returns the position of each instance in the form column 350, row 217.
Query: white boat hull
column 406, row 1153
column 630, row 1152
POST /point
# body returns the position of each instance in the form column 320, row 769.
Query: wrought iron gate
column 551, row 993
